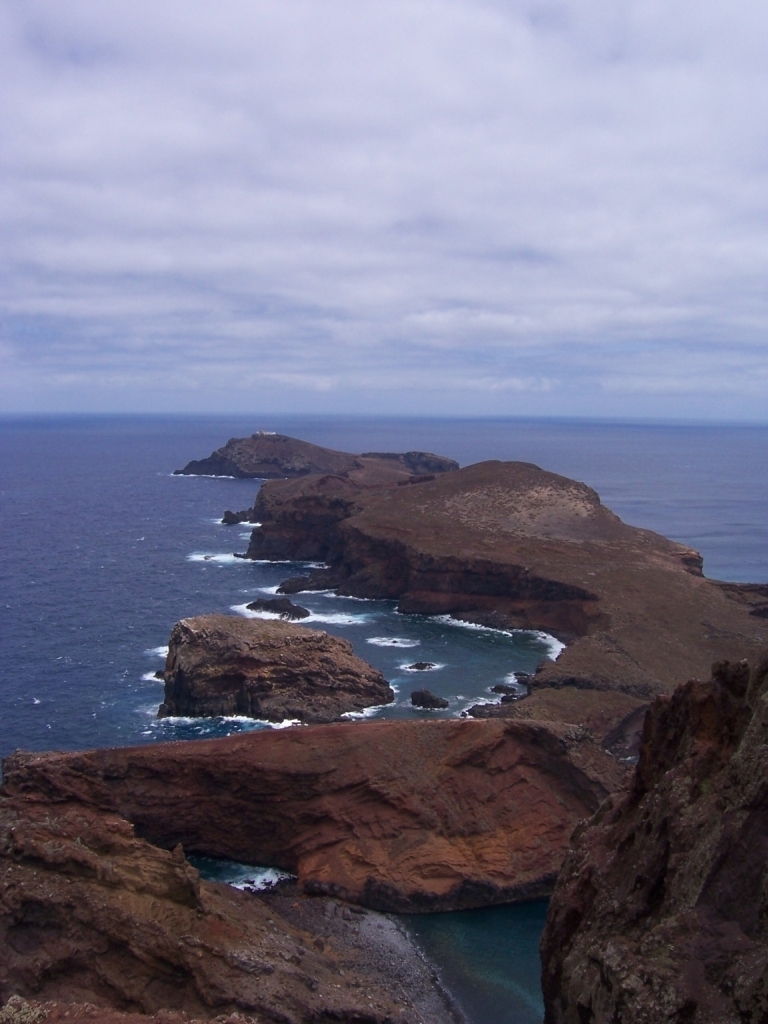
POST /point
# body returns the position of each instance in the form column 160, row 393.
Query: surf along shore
column 395, row 816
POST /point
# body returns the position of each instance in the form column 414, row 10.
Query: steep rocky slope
column 403, row 816
column 265, row 669
column 660, row 913
column 91, row 914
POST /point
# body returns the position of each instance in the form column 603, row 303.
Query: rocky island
column 268, row 456
column 266, row 669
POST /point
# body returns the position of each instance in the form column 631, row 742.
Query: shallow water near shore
column 103, row 550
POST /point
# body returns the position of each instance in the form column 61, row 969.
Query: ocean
column 103, row 549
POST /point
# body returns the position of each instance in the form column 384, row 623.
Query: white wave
column 344, row 597
column 433, row 667
column 511, row 680
column 332, row 618
column 36, row 701
column 150, row 677
column 555, row 646
column 392, row 641
column 158, row 652
column 207, row 476
column 269, row 590
column 366, row 712
column 261, row 878
column 223, row 558
column 257, row 723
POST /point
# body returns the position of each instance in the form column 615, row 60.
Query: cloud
column 444, row 206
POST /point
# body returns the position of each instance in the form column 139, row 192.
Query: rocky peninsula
column 265, row 669
column 510, row 545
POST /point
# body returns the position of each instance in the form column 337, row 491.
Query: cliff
column 265, row 669
column 92, row 915
column 660, row 910
column 513, row 546
column 268, row 456
column 398, row 816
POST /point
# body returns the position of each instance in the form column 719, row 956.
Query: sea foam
column 331, row 618
column 554, row 646
column 392, row 641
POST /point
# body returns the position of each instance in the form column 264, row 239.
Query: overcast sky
column 438, row 206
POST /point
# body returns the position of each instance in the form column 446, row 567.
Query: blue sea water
column 103, row 549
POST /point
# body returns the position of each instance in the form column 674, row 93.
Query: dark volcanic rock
column 398, row 816
column 421, row 666
column 269, row 456
column 267, row 669
column 279, row 606
column 513, row 546
column 91, row 914
column 426, row 699
column 246, row 515
column 660, row 911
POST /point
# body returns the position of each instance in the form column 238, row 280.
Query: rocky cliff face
column 513, row 546
column 660, row 913
column 91, row 914
column 401, row 816
column 268, row 456
column 266, row 669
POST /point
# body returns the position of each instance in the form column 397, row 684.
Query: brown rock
column 269, row 456
column 613, row 718
column 402, row 816
column 510, row 545
column 266, row 669
column 659, row 913
column 91, row 914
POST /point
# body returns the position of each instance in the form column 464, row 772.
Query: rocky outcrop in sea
column 265, row 669
column 268, row 456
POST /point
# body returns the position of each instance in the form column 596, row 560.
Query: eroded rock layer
column 266, row 669
column 660, row 913
column 511, row 545
column 402, row 816
column 91, row 914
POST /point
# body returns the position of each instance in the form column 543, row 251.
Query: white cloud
column 395, row 206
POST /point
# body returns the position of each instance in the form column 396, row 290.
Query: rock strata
column 93, row 915
column 265, row 669
column 268, row 456
column 397, row 816
column 659, row 913
column 512, row 546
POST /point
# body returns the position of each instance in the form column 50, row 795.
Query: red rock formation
column 91, row 914
column 403, row 816
column 510, row 545
column 659, row 913
column 266, row 669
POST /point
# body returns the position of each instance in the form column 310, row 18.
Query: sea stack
column 265, row 669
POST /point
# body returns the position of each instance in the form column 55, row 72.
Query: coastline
column 387, row 944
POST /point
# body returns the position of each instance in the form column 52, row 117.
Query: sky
column 438, row 207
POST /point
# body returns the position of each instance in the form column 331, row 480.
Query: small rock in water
column 505, row 688
column 421, row 666
column 279, row 606
column 425, row 699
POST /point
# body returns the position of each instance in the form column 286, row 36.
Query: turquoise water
column 489, row 959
